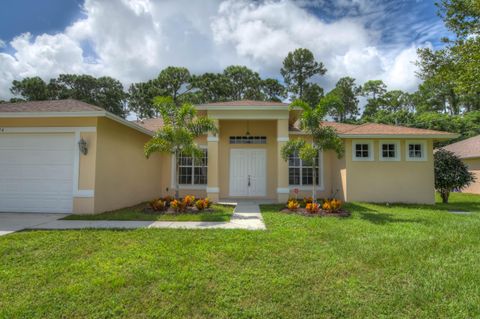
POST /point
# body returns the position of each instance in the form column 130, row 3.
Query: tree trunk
column 177, row 172
column 444, row 195
column 314, row 190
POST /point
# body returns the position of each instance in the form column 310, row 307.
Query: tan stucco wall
column 384, row 181
column 266, row 128
column 86, row 175
column 474, row 167
column 124, row 176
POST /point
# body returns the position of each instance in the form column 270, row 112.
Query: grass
column 397, row 261
column 220, row 213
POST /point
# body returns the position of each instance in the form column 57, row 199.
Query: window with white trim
column 362, row 151
column 416, row 151
column 301, row 173
column 389, row 150
column 191, row 171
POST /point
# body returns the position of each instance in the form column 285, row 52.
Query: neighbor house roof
column 62, row 108
column 49, row 106
column 469, row 148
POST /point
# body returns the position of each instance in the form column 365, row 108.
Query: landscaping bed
column 310, row 208
column 159, row 210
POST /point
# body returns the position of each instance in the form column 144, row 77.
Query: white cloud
column 133, row 40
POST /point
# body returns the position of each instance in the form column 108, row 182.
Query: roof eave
column 77, row 114
column 415, row 136
column 241, row 108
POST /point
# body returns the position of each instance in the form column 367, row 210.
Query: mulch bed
column 170, row 211
column 321, row 213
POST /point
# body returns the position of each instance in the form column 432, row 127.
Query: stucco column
column 212, row 176
column 283, row 191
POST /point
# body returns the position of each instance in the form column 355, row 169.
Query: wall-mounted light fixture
column 82, row 145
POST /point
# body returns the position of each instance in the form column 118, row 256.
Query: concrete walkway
column 12, row 222
column 245, row 216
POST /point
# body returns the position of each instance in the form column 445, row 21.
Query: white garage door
column 36, row 172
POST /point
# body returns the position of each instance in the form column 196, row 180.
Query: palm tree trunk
column 177, row 175
column 314, row 190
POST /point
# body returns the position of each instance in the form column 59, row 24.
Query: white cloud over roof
column 132, row 40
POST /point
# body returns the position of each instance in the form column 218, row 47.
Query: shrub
column 201, row 204
column 178, row 206
column 332, row 205
column 312, row 208
column 336, row 204
column 189, row 200
column 158, row 205
column 168, row 199
column 208, row 202
column 292, row 205
column 450, row 173
column 307, row 200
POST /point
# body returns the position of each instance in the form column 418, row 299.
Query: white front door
column 248, row 172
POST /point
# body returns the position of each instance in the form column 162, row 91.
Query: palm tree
column 177, row 136
column 322, row 138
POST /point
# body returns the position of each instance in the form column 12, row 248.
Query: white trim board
column 56, row 129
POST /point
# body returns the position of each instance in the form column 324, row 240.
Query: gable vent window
column 248, row 139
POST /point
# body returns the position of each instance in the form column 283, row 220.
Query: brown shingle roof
column 468, row 148
column 246, row 103
column 340, row 127
column 384, row 129
column 49, row 106
column 150, row 124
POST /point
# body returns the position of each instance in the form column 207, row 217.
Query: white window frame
column 424, row 157
column 186, row 186
column 371, row 150
column 320, row 186
column 397, row 151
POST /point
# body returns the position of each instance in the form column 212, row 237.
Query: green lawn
column 220, row 213
column 390, row 262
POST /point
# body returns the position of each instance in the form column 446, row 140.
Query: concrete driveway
column 12, row 222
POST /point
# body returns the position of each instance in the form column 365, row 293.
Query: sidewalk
column 246, row 216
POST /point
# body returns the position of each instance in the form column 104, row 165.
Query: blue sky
column 133, row 40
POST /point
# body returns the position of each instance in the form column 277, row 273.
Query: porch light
column 82, row 145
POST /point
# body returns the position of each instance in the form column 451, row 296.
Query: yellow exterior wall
column 384, row 181
column 86, row 175
column 474, row 167
column 124, row 176
column 266, row 128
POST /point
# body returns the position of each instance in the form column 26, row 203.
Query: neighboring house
column 43, row 168
column 469, row 151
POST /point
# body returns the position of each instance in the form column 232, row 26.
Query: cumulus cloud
column 132, row 40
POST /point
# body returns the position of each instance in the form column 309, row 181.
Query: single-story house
column 69, row 156
column 469, row 151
